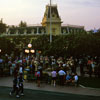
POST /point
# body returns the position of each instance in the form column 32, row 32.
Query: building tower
column 55, row 20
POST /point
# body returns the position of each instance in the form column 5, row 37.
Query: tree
column 2, row 27
column 6, row 45
column 22, row 24
column 62, row 45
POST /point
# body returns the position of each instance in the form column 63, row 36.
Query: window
column 64, row 31
column 54, row 30
column 53, row 15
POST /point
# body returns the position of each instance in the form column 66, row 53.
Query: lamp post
column 50, row 24
column 29, row 46
column 29, row 50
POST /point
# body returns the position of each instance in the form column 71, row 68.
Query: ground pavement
column 81, row 90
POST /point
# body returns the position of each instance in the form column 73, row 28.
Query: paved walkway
column 7, row 81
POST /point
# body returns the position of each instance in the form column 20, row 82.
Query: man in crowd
column 61, row 74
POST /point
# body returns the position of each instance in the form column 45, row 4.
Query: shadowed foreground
column 43, row 95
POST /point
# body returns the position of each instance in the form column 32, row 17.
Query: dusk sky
column 75, row 12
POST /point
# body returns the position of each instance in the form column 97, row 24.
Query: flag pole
column 50, row 24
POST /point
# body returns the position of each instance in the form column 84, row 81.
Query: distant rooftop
column 75, row 26
column 34, row 25
column 28, row 25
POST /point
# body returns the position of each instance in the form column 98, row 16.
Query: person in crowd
column 68, row 79
column 72, row 66
column 46, row 62
column 76, row 79
column 93, row 65
column 37, row 74
column 16, row 70
column 20, row 79
column 21, row 69
column 54, row 75
column 89, row 67
column 15, row 87
column 81, row 65
column 53, row 63
column 64, row 66
column 61, row 74
column 1, row 66
column 12, row 68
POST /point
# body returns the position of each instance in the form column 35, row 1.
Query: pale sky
column 75, row 12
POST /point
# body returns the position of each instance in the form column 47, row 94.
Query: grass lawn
column 43, row 95
column 90, row 82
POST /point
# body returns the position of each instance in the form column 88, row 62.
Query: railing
column 4, row 35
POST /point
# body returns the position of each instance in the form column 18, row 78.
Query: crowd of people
column 91, row 64
column 87, row 64
column 64, row 68
column 65, row 78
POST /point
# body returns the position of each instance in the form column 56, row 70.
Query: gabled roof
column 53, row 11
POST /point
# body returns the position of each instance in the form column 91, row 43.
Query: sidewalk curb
column 88, row 87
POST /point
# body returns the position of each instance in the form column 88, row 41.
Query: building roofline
column 29, row 25
column 69, row 25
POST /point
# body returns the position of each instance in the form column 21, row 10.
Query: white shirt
column 20, row 70
column 61, row 72
column 53, row 74
column 76, row 78
column 64, row 65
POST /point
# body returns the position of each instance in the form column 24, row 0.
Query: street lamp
column 29, row 45
column 26, row 51
column 32, row 51
column 29, row 50
column 0, row 50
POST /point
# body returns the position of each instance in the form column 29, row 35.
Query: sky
column 74, row 12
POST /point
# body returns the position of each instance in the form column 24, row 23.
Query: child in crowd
column 76, row 79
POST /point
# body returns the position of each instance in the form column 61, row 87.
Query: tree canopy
column 62, row 45
column 2, row 27
column 22, row 24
